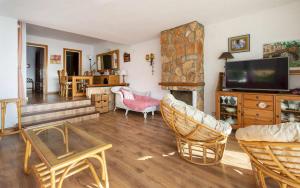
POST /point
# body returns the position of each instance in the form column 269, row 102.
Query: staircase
column 49, row 113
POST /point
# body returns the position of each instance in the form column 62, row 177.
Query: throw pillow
column 127, row 94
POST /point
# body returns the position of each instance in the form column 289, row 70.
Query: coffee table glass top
column 62, row 142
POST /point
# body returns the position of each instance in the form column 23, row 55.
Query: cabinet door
column 228, row 108
column 287, row 109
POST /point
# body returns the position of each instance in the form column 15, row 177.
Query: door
column 228, row 108
column 73, row 62
column 39, row 71
column 37, row 65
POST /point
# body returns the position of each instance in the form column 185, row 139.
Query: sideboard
column 242, row 109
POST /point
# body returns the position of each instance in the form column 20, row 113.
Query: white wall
column 30, row 72
column 55, row 47
column 9, row 65
column 277, row 24
column 273, row 25
column 139, row 70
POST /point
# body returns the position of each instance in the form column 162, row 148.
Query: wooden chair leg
column 283, row 185
column 3, row 112
column 62, row 91
column 66, row 91
column 27, row 157
column 262, row 181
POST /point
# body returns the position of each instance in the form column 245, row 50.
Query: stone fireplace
column 182, row 63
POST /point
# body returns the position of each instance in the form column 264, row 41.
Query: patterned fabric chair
column 200, row 138
column 274, row 151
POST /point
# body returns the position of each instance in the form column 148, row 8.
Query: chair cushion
column 197, row 115
column 284, row 132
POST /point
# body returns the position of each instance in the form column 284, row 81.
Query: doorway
column 36, row 69
column 73, row 62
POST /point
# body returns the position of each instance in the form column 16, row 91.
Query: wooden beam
column 182, row 84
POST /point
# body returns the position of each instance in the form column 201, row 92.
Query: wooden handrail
column 182, row 84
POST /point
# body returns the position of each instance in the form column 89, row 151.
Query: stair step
column 34, row 108
column 55, row 110
column 38, row 116
column 70, row 118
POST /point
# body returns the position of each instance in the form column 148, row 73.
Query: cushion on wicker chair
column 284, row 132
column 197, row 115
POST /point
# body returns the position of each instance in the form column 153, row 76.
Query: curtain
column 21, row 93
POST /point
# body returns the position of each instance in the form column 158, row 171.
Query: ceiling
column 128, row 21
column 60, row 35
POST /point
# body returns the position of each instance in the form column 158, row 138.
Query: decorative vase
column 232, row 101
column 226, row 100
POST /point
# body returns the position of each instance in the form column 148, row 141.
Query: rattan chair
column 277, row 160
column 196, row 142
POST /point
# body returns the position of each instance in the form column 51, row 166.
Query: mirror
column 108, row 61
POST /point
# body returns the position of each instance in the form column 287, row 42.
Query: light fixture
column 226, row 55
column 150, row 58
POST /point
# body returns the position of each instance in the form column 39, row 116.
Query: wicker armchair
column 278, row 160
column 196, row 142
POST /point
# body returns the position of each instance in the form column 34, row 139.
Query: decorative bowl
column 230, row 110
column 231, row 121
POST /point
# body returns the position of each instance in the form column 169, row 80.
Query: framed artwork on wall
column 55, row 59
column 290, row 49
column 126, row 57
column 239, row 44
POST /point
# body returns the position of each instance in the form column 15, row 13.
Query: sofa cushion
column 284, row 132
column 197, row 115
column 140, row 103
column 127, row 94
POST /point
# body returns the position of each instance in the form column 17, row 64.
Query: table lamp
column 226, row 55
column 123, row 73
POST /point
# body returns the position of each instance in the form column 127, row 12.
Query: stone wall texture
column 182, row 58
column 182, row 54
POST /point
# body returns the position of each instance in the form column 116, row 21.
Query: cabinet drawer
column 258, row 97
column 258, row 114
column 104, row 97
column 97, row 80
column 104, row 103
column 258, row 104
column 254, row 121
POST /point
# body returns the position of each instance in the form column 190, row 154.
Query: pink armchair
column 142, row 101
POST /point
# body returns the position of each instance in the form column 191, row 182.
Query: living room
column 144, row 150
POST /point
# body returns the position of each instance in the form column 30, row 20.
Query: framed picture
column 126, row 57
column 239, row 44
column 55, row 59
column 290, row 49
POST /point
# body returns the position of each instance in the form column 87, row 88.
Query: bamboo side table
column 3, row 103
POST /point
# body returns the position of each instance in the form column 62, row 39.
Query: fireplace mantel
column 182, row 84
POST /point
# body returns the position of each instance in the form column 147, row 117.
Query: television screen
column 261, row 74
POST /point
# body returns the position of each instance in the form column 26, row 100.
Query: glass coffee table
column 64, row 150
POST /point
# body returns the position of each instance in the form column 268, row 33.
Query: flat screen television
column 261, row 74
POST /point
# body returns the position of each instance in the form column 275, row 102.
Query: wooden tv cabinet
column 242, row 109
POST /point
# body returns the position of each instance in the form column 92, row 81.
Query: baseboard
column 54, row 92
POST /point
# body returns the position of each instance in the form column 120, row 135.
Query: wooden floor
column 39, row 98
column 143, row 155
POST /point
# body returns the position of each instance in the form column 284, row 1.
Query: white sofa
column 119, row 101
